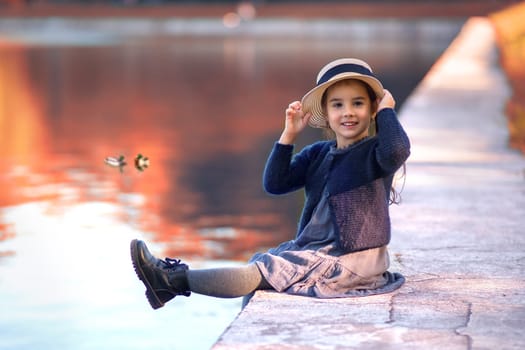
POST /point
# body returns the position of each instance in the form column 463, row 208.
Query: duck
column 116, row 162
column 141, row 162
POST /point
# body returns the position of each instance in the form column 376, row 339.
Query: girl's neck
column 346, row 145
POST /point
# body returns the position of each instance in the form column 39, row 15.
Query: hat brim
column 311, row 101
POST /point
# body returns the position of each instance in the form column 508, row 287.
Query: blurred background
column 200, row 88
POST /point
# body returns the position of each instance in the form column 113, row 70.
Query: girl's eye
column 358, row 103
column 337, row 105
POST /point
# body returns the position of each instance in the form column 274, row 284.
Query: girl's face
column 349, row 111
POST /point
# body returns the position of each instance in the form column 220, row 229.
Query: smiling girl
column 340, row 248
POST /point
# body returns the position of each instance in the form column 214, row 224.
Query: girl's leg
column 168, row 278
column 229, row 282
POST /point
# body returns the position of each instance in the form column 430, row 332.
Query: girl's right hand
column 387, row 101
column 295, row 122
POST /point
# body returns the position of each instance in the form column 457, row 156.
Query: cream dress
column 314, row 265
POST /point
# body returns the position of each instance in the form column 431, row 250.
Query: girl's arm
column 278, row 174
column 394, row 146
column 284, row 173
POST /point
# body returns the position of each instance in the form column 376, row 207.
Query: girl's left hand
column 387, row 101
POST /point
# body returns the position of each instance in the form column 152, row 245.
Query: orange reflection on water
column 22, row 138
column 67, row 109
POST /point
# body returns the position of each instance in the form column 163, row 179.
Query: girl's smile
column 349, row 111
column 350, row 125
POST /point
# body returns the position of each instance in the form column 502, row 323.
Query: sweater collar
column 335, row 150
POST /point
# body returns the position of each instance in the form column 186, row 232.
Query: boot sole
column 153, row 299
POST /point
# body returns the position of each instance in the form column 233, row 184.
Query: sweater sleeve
column 393, row 147
column 284, row 172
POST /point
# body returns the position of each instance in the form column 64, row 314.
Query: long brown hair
column 399, row 175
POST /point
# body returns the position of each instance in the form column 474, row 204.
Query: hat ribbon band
column 344, row 68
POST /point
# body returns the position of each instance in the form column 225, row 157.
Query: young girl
column 340, row 248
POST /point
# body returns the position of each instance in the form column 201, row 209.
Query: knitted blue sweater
column 358, row 181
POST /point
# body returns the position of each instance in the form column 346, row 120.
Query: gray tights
column 228, row 282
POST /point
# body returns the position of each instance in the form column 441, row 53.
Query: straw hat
column 343, row 68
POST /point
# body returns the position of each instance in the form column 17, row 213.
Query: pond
column 205, row 110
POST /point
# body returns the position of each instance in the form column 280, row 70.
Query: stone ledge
column 458, row 235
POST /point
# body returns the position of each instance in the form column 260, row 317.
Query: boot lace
column 178, row 283
column 169, row 264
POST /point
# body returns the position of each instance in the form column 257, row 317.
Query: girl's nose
column 348, row 111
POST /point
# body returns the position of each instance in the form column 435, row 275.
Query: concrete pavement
column 458, row 236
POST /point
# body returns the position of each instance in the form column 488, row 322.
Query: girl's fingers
column 295, row 105
column 387, row 100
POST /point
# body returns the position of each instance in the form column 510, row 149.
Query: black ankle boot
column 164, row 279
